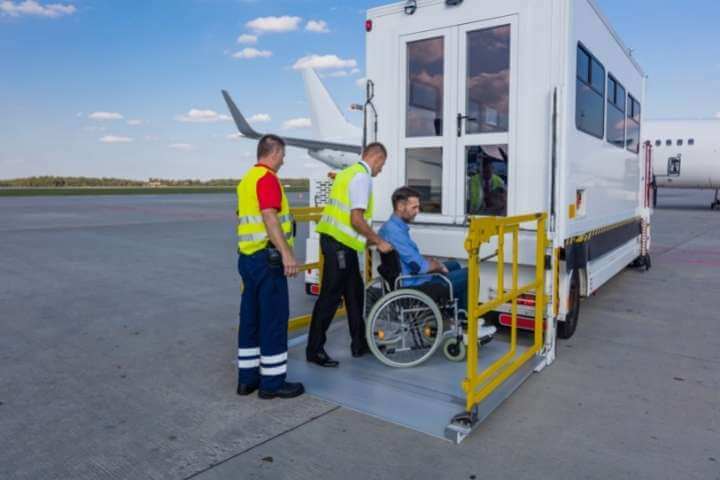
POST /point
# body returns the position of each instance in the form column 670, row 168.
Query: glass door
column 484, row 118
column 426, row 127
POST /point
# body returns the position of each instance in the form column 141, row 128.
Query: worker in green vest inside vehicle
column 488, row 193
column 344, row 232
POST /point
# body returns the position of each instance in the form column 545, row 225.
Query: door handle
column 460, row 118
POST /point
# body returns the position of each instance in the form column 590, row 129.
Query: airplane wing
column 247, row 131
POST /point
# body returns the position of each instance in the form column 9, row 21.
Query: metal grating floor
column 422, row 398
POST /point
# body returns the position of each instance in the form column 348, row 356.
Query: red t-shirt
column 269, row 193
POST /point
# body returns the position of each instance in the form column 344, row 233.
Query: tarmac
column 118, row 321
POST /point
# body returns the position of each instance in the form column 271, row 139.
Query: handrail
column 479, row 385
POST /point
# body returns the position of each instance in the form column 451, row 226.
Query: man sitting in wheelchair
column 405, row 268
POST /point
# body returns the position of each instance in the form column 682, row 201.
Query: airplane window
column 668, row 143
column 691, row 141
column 658, row 143
column 679, row 143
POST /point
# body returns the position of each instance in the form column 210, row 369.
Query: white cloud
column 317, row 26
column 234, row 136
column 260, row 118
column 134, row 122
column 105, row 116
column 115, row 139
column 195, row 115
column 249, row 53
column 294, row 123
column 338, row 73
column 274, row 24
column 94, row 128
column 247, row 39
column 32, row 7
column 717, row 115
column 361, row 82
column 324, row 62
column 181, row 146
column 354, row 71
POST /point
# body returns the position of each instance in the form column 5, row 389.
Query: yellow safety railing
column 478, row 385
column 308, row 214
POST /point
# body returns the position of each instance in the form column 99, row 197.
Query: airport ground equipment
column 541, row 94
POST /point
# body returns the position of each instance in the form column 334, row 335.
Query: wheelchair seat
column 390, row 269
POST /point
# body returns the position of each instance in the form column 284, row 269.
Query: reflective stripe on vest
column 336, row 219
column 252, row 235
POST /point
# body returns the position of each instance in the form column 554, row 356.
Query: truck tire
column 567, row 328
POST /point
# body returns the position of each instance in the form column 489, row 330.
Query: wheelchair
column 406, row 325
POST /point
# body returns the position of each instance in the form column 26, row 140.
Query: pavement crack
column 249, row 449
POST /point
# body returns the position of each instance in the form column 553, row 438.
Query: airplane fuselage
column 696, row 142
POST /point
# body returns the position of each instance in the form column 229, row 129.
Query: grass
column 78, row 191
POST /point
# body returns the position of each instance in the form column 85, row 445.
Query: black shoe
column 322, row 359
column 359, row 352
column 245, row 389
column 286, row 390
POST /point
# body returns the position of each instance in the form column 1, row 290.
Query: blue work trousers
column 458, row 276
column 264, row 313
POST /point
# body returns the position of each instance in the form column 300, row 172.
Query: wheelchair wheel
column 454, row 349
column 404, row 328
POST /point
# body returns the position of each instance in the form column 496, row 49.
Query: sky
column 131, row 88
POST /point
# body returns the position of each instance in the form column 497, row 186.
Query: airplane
column 686, row 154
column 341, row 141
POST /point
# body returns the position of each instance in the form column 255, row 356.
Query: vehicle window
column 590, row 95
column 615, row 123
column 486, row 179
column 691, row 141
column 633, row 125
column 426, row 78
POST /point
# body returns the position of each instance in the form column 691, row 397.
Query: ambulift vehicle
column 519, row 124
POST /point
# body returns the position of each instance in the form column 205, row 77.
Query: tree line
column 53, row 181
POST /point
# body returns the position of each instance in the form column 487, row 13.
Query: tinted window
column 486, row 179
column 426, row 78
column 679, row 143
column 488, row 80
column 691, row 141
column 597, row 77
column 658, row 143
column 633, row 125
column 668, row 143
column 590, row 96
column 423, row 172
column 583, row 65
column 615, row 124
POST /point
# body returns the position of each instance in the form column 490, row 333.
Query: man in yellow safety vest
column 344, row 231
column 265, row 260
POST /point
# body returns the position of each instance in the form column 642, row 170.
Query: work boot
column 245, row 389
column 286, row 390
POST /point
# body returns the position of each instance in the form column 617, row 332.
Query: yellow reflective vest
column 335, row 220
column 252, row 235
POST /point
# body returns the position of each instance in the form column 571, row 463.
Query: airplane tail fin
column 327, row 120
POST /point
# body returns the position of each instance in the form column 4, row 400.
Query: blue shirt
column 397, row 233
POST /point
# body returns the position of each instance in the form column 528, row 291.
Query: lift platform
column 439, row 397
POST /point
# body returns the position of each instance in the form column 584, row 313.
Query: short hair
column 375, row 147
column 403, row 194
column 268, row 145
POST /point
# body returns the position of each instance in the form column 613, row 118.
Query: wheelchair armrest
column 428, row 276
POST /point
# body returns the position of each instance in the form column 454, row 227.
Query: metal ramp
column 424, row 398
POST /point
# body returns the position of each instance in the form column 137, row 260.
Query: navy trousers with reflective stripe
column 264, row 313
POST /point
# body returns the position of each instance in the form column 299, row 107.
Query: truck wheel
column 567, row 328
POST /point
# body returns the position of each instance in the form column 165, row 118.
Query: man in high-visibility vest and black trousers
column 344, row 231
column 266, row 259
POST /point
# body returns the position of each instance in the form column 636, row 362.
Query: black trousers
column 338, row 282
